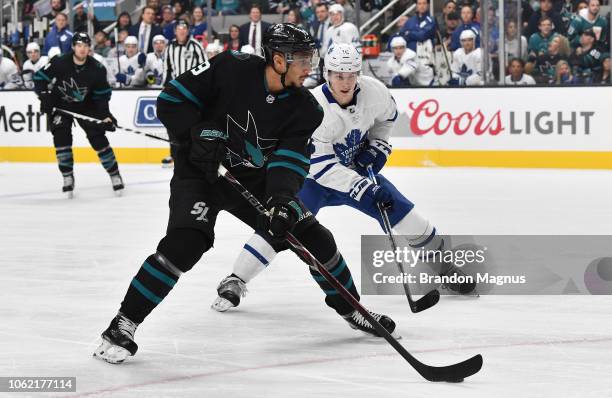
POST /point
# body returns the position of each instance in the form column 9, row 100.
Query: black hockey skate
column 462, row 288
column 68, row 187
column 230, row 290
column 117, row 340
column 117, row 182
column 358, row 322
column 167, row 162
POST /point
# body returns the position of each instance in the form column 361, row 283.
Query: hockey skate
column 117, row 182
column 167, row 162
column 358, row 322
column 68, row 187
column 230, row 290
column 117, row 341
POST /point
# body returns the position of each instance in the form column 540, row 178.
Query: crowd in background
column 559, row 42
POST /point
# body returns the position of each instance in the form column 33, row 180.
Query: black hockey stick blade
column 452, row 373
column 425, row 302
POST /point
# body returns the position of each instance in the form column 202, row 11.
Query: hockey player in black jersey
column 253, row 116
column 76, row 82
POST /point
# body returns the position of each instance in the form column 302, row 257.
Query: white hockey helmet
column 467, row 35
column 33, row 46
column 131, row 40
column 398, row 41
column 342, row 57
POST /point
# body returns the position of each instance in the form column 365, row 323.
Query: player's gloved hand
column 122, row 78
column 284, row 211
column 377, row 194
column 47, row 103
column 397, row 81
column 370, row 156
column 142, row 59
column 150, row 78
column 207, row 149
column 109, row 123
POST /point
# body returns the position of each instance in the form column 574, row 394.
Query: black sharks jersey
column 268, row 133
column 78, row 88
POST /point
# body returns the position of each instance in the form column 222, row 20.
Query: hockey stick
column 452, row 373
column 432, row 297
column 98, row 121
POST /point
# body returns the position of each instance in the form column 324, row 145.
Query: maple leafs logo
column 465, row 72
column 72, row 92
column 353, row 142
column 245, row 145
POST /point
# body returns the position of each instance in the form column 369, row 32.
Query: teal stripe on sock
column 145, row 292
column 335, row 272
column 159, row 275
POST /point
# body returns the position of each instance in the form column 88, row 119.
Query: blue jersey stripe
column 292, row 154
column 257, row 255
column 322, row 159
column 186, row 92
column 325, row 170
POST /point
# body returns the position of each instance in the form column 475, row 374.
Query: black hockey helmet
column 81, row 37
column 286, row 38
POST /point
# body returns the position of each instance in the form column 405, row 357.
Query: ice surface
column 65, row 266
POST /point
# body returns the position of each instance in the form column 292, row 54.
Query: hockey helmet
column 342, row 57
column 81, row 37
column 287, row 38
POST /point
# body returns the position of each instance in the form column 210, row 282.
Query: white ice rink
column 66, row 264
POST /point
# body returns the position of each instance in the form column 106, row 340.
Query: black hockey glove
column 207, row 149
column 285, row 212
column 47, row 103
column 109, row 126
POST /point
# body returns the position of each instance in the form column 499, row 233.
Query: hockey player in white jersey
column 466, row 68
column 154, row 66
column 341, row 31
column 9, row 74
column 34, row 62
column 131, row 65
column 359, row 113
column 402, row 65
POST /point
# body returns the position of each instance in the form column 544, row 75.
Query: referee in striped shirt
column 181, row 55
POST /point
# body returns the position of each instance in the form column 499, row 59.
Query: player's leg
column 193, row 212
column 419, row 232
column 99, row 142
column 62, row 141
column 258, row 253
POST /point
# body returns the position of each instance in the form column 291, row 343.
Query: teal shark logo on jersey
column 245, row 146
column 71, row 91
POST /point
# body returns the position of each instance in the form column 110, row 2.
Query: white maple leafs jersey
column 525, row 80
column 405, row 67
column 468, row 67
column 130, row 67
column 346, row 32
column 9, row 75
column 155, row 67
column 29, row 68
column 344, row 132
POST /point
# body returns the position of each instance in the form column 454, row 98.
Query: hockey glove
column 122, row 78
column 142, row 59
column 47, row 103
column 284, row 211
column 150, row 78
column 207, row 149
column 377, row 195
column 370, row 155
column 109, row 125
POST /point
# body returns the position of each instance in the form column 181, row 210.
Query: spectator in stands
column 145, row 30
column 403, row 65
column 34, row 62
column 589, row 18
column 154, row 65
column 539, row 41
column 102, row 45
column 449, row 6
column 545, row 11
column 213, row 49
column 466, row 68
column 279, row 6
column 252, row 31
column 56, row 8
column 59, row 35
column 198, row 22
column 233, row 43
column 586, row 59
column 517, row 76
column 227, row 7
column 452, row 20
column 419, row 32
column 157, row 10
column 563, row 74
column 9, row 74
column 124, row 21
column 167, row 18
column 318, row 29
column 467, row 23
column 294, row 17
column 516, row 45
column 545, row 64
column 349, row 11
column 341, row 31
column 131, row 65
column 79, row 21
column 179, row 10
column 603, row 77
